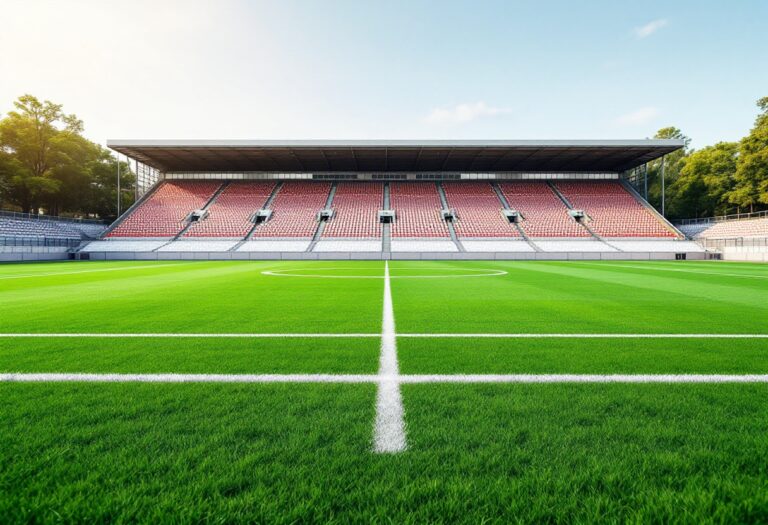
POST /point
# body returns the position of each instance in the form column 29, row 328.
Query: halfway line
column 389, row 428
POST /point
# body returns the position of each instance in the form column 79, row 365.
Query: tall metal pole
column 663, row 188
column 645, row 180
column 136, row 181
column 118, row 185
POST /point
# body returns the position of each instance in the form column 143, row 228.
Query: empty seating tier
column 417, row 210
column 544, row 214
column 732, row 229
column 294, row 210
column 163, row 213
column 36, row 228
column 230, row 215
column 478, row 210
column 356, row 210
column 613, row 211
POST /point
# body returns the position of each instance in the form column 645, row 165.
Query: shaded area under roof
column 395, row 155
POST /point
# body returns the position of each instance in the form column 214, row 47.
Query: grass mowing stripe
column 663, row 269
column 123, row 268
column 190, row 356
column 583, row 356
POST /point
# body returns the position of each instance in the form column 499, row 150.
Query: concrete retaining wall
column 746, row 253
column 302, row 256
column 18, row 257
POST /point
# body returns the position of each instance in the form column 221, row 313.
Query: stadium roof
column 395, row 155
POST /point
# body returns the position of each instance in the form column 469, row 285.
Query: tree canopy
column 47, row 164
column 728, row 177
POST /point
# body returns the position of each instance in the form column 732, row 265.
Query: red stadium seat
column 613, row 211
column 544, row 213
column 230, row 215
column 417, row 210
column 356, row 208
column 478, row 210
column 163, row 213
column 294, row 210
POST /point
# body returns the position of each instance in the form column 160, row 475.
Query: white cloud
column 650, row 28
column 462, row 113
column 640, row 116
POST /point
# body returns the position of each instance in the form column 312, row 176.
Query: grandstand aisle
column 612, row 210
column 544, row 214
column 230, row 215
column 163, row 213
column 478, row 210
column 294, row 210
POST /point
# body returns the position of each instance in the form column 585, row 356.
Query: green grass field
column 289, row 452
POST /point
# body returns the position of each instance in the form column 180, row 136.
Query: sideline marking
column 389, row 428
column 490, row 272
column 381, row 380
column 401, row 335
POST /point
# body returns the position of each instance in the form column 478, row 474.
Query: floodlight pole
column 136, row 181
column 663, row 196
column 645, row 180
column 118, row 184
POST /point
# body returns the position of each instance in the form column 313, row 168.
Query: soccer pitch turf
column 357, row 392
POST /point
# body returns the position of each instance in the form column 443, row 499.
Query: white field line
column 28, row 275
column 12, row 335
column 488, row 273
column 389, row 427
column 382, row 380
column 180, row 335
column 588, row 336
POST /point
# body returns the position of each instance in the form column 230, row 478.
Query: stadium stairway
column 321, row 223
column 267, row 204
column 451, row 226
column 584, row 222
column 131, row 209
column 505, row 204
column 190, row 222
column 386, row 228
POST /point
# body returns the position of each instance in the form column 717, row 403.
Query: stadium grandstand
column 742, row 236
column 25, row 236
column 392, row 199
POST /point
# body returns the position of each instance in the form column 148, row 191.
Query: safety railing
column 51, row 218
column 723, row 218
column 719, row 244
column 38, row 241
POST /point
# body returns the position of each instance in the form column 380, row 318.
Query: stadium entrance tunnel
column 341, row 272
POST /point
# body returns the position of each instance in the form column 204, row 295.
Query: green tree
column 47, row 163
column 672, row 166
column 751, row 177
column 35, row 135
column 705, row 178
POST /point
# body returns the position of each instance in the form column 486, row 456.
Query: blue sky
column 399, row 70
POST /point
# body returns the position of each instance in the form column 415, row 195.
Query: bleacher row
column 478, row 210
column 733, row 229
column 32, row 228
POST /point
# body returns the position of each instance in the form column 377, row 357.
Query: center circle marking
column 466, row 272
